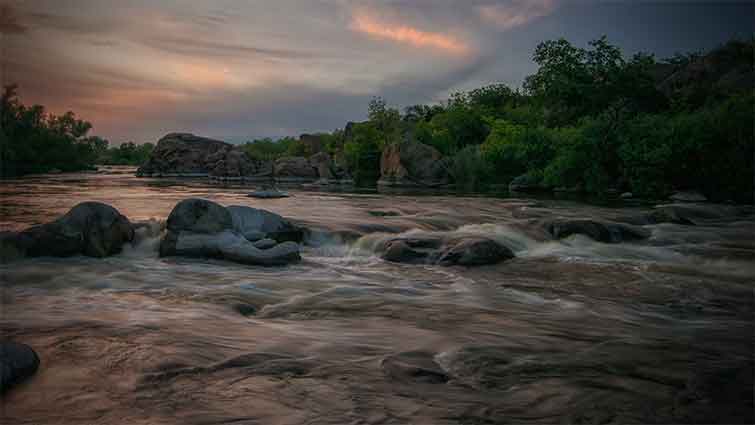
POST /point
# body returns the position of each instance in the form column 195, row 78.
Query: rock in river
column 463, row 250
column 601, row 231
column 201, row 228
column 17, row 363
column 90, row 228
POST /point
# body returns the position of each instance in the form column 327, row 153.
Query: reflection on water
column 571, row 331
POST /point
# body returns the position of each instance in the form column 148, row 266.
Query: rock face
column 90, row 228
column 601, row 231
column 294, row 168
column 201, row 228
column 187, row 155
column 17, row 363
column 413, row 164
column 183, row 154
column 463, row 251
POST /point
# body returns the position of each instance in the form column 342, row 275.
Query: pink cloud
column 405, row 34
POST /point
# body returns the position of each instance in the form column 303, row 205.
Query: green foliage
column 362, row 153
column 470, row 170
column 269, row 149
column 572, row 82
column 35, row 141
column 126, row 154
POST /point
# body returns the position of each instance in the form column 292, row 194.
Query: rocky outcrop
column 294, row 168
column 18, row 362
column 413, row 164
column 601, row 231
column 201, row 228
column 187, row 155
column 463, row 251
column 184, row 154
column 725, row 69
column 91, row 228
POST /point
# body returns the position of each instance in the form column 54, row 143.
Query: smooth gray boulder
column 229, row 245
column 203, row 229
column 200, row 216
column 256, row 222
column 17, row 363
column 93, row 229
column 268, row 194
column 265, row 243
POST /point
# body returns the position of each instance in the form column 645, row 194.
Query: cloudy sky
column 240, row 69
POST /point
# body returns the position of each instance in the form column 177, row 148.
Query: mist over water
column 571, row 331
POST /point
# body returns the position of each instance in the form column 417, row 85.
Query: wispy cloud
column 406, row 34
column 515, row 13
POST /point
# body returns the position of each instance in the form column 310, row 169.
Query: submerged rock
column 688, row 196
column 204, row 229
column 463, row 251
column 414, row 366
column 268, row 194
column 17, row 363
column 601, row 231
column 474, row 251
column 90, row 228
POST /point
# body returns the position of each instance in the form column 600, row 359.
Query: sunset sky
column 237, row 70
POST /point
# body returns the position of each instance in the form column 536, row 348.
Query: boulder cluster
column 201, row 228
column 187, row 155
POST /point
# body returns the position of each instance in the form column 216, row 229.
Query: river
column 571, row 331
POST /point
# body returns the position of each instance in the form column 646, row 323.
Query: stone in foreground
column 462, row 251
column 203, row 229
column 17, row 363
column 93, row 229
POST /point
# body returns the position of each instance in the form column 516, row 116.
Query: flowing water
column 571, row 331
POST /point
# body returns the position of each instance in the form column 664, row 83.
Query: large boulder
column 184, row 154
column 199, row 216
column 294, row 168
column 473, row 251
column 323, row 164
column 17, row 363
column 256, row 224
column 205, row 229
column 413, row 164
column 446, row 251
column 601, row 231
column 90, row 228
column 235, row 163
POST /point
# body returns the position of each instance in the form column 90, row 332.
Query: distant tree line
column 33, row 140
column 588, row 120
